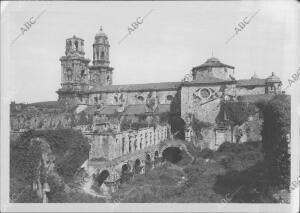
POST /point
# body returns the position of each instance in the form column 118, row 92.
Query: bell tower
column 100, row 72
column 74, row 72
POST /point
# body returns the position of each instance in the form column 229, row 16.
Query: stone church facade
column 199, row 93
column 90, row 87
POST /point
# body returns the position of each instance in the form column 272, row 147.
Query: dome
column 100, row 33
column 212, row 60
column 273, row 79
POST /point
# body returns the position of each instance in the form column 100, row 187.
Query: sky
column 175, row 37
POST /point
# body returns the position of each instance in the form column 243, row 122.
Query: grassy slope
column 202, row 178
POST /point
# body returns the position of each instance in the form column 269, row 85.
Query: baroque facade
column 199, row 93
column 116, row 151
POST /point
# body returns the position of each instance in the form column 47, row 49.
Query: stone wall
column 194, row 101
column 218, row 72
column 240, row 91
column 114, row 145
column 130, row 98
column 37, row 117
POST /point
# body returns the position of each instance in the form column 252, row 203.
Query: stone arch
column 148, row 156
column 126, row 174
column 156, row 153
column 76, row 45
column 177, row 127
column 101, row 177
column 125, row 168
column 172, row 154
column 137, row 166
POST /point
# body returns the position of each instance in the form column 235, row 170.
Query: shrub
column 238, row 112
column 69, row 146
column 198, row 125
column 238, row 148
column 206, row 153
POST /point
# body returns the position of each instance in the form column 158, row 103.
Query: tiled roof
column 255, row 98
column 208, row 80
column 138, row 87
column 213, row 62
column 136, row 109
column 251, row 82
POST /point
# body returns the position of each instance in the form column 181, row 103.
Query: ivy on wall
column 237, row 112
column 276, row 138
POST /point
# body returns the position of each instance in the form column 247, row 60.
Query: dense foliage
column 276, row 138
column 237, row 112
column 69, row 147
column 198, row 125
column 197, row 180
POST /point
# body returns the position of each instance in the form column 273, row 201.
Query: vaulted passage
column 102, row 177
column 172, row 154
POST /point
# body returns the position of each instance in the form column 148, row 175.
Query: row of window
column 169, row 98
column 76, row 43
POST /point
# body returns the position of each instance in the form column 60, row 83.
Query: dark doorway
column 156, row 154
column 125, row 168
column 126, row 175
column 177, row 127
column 137, row 166
column 172, row 154
column 148, row 157
column 102, row 177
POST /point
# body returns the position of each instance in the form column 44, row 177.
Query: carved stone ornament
column 151, row 102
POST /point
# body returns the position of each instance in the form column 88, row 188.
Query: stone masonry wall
column 123, row 143
column 130, row 98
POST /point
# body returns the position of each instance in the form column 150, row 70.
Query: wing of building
column 210, row 82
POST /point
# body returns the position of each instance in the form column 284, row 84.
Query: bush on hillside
column 238, row 148
column 206, row 153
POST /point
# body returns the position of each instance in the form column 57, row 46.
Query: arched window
column 129, row 146
column 80, row 98
column 76, row 45
column 108, row 78
column 97, row 54
column 82, row 73
column 96, row 99
column 102, row 55
column 123, row 145
column 135, row 144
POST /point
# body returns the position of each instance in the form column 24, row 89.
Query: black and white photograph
column 150, row 106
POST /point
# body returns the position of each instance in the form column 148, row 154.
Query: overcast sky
column 175, row 37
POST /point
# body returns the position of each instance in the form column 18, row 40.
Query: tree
column 276, row 134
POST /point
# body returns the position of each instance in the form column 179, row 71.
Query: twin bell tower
column 77, row 76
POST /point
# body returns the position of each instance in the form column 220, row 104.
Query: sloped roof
column 138, row 87
column 207, row 80
column 134, row 109
column 251, row 82
column 255, row 98
column 212, row 62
